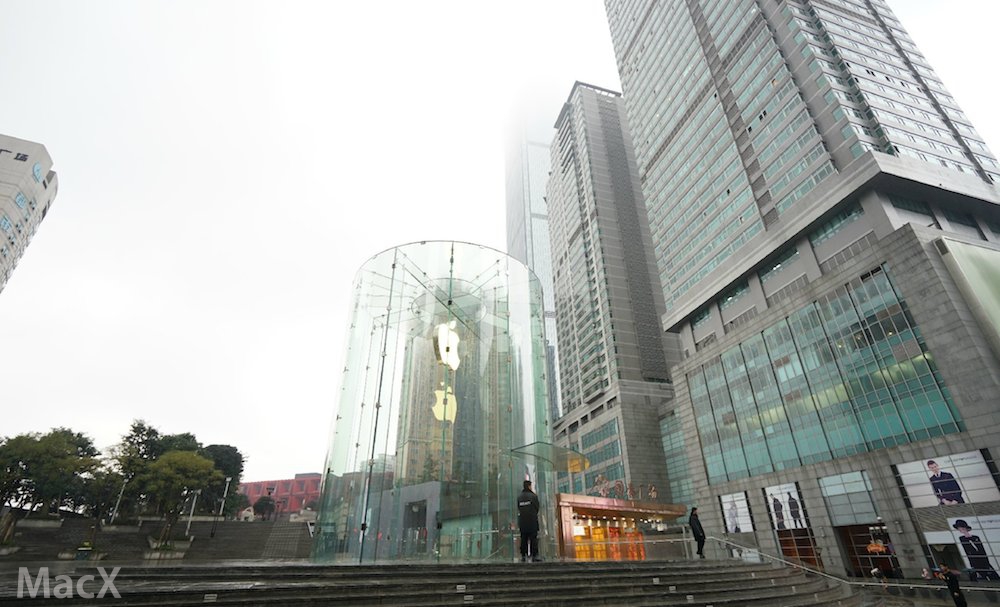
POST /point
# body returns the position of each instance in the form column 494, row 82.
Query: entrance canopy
column 561, row 458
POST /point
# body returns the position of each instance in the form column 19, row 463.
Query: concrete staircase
column 233, row 540
column 640, row 584
column 39, row 544
column 236, row 540
column 287, row 541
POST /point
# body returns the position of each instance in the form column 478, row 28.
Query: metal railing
column 868, row 585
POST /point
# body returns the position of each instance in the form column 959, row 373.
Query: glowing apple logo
column 445, row 405
column 446, row 345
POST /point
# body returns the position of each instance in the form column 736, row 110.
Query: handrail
column 860, row 583
column 780, row 560
column 686, row 539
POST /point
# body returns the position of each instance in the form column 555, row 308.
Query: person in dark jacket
column 527, row 521
column 951, row 579
column 698, row 531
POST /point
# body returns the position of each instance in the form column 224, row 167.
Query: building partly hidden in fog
column 27, row 187
column 443, row 410
column 614, row 356
column 527, row 171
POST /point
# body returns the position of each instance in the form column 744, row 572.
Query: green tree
column 137, row 449
column 133, row 456
column 42, row 470
column 98, row 491
column 237, row 502
column 172, row 477
column 229, row 461
column 15, row 455
column 429, row 469
column 178, row 442
column 264, row 506
column 62, row 457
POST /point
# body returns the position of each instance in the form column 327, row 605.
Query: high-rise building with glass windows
column 613, row 357
column 827, row 236
column 27, row 187
column 528, row 235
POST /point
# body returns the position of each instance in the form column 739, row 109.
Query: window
column 785, row 259
column 835, row 224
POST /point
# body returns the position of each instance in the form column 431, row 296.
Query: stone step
column 494, row 585
column 391, row 569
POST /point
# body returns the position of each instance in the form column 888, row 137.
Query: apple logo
column 442, row 412
column 446, row 345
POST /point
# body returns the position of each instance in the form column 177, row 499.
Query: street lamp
column 270, row 492
column 187, row 532
column 222, row 505
column 279, row 503
column 114, row 512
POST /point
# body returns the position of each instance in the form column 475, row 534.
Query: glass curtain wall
column 847, row 374
column 444, row 378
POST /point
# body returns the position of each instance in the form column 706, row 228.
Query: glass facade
column 678, row 473
column 847, row 374
column 848, row 498
column 444, row 381
column 528, row 165
column 743, row 111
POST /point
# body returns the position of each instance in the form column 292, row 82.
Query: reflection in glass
column 444, row 382
column 846, row 374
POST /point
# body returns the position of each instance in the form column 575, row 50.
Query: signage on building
column 17, row 155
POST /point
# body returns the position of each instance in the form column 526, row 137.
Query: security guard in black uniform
column 527, row 520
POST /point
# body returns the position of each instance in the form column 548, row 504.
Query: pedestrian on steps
column 950, row 577
column 698, row 531
column 527, row 521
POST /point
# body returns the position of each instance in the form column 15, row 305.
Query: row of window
column 844, row 375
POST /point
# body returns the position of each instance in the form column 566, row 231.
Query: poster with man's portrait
column 973, row 539
column 948, row 480
column 785, row 507
column 736, row 512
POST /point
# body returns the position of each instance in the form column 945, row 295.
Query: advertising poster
column 785, row 507
column 736, row 512
column 973, row 539
column 947, row 480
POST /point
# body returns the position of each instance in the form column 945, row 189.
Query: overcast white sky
column 225, row 167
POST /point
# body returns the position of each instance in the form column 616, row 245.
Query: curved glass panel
column 443, row 387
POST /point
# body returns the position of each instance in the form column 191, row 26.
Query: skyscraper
column 828, row 240
column 528, row 235
column 27, row 187
column 613, row 356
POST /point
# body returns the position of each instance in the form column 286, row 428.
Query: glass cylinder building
column 442, row 413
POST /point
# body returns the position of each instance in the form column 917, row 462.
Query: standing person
column 793, row 510
column 879, row 575
column 527, row 521
column 979, row 561
column 946, row 488
column 779, row 513
column 733, row 518
column 698, row 531
column 951, row 579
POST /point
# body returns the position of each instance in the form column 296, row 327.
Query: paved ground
column 921, row 594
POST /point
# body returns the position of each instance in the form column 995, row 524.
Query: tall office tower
column 528, row 236
column 27, row 187
column 613, row 356
column 828, row 239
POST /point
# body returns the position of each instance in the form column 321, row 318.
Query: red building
column 291, row 495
